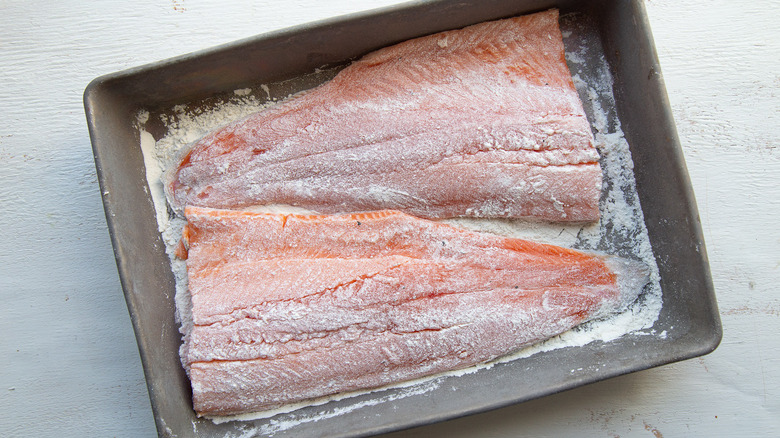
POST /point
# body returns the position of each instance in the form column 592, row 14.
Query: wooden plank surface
column 70, row 365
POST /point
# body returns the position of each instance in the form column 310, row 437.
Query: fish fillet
column 288, row 308
column 478, row 122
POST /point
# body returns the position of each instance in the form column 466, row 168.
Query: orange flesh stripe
column 182, row 248
column 483, row 121
column 291, row 307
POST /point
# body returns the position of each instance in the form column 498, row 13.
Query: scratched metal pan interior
column 292, row 60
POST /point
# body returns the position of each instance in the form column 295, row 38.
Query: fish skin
column 478, row 122
column 292, row 307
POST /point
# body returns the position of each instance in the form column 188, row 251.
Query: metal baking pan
column 689, row 314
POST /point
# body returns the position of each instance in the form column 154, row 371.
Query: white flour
column 621, row 230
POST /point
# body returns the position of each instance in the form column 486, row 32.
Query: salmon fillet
column 478, row 122
column 287, row 308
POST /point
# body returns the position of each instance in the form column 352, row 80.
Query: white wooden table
column 69, row 364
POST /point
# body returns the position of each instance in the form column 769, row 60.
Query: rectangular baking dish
column 689, row 315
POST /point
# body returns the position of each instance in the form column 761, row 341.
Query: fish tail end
column 632, row 277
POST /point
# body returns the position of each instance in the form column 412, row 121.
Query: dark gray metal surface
column 689, row 314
